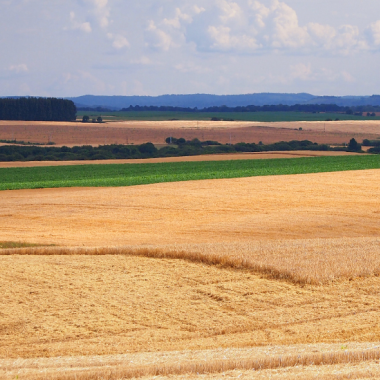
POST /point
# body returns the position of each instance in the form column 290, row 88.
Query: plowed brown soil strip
column 206, row 157
column 138, row 132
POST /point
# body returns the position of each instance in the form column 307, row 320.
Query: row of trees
column 314, row 108
column 37, row 109
column 86, row 119
column 176, row 147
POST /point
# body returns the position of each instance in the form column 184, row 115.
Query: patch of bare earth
column 206, row 157
column 138, row 132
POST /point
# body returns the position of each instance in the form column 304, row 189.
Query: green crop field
column 238, row 116
column 140, row 174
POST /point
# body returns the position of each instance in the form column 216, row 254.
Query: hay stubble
column 100, row 305
column 112, row 304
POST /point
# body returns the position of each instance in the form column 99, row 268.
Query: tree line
column 310, row 108
column 37, row 109
column 175, row 148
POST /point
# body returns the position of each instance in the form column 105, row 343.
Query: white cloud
column 141, row 61
column 198, row 10
column 119, row 41
column 286, row 32
column 261, row 12
column 229, row 11
column 218, row 46
column 322, row 35
column 190, row 67
column 347, row 38
column 224, row 40
column 101, row 11
column 75, row 25
column 20, row 68
column 252, row 27
column 157, row 38
column 373, row 34
column 176, row 21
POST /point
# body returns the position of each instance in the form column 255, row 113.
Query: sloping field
column 325, row 205
column 221, row 265
column 100, row 305
column 145, row 174
column 138, row 132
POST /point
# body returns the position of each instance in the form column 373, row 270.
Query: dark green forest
column 37, row 109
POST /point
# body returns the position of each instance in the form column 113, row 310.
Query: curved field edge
column 142, row 174
column 316, row 262
column 214, row 366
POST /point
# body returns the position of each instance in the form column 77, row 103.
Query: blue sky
column 152, row 47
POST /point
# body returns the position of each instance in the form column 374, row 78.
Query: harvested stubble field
column 138, row 132
column 321, row 361
column 217, row 264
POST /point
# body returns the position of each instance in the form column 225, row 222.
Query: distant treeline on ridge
column 269, row 108
column 37, row 109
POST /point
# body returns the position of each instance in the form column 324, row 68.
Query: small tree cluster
column 86, row 119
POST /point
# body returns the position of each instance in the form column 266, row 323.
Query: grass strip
column 142, row 174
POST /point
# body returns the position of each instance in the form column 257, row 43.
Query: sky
column 151, row 47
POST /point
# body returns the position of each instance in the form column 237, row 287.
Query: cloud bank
column 152, row 47
column 254, row 27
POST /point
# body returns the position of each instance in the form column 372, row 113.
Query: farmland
column 139, row 132
column 200, row 158
column 247, row 268
column 178, row 266
column 142, row 174
column 321, row 205
column 238, row 116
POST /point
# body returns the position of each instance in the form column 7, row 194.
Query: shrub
column 147, row 148
column 353, row 146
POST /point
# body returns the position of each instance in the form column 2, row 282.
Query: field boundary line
column 217, row 366
column 225, row 261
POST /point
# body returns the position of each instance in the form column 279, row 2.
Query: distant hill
column 347, row 101
column 192, row 101
column 207, row 100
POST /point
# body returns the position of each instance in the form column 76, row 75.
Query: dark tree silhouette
column 37, row 109
column 354, row 146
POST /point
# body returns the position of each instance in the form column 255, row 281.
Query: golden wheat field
column 265, row 277
column 325, row 205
